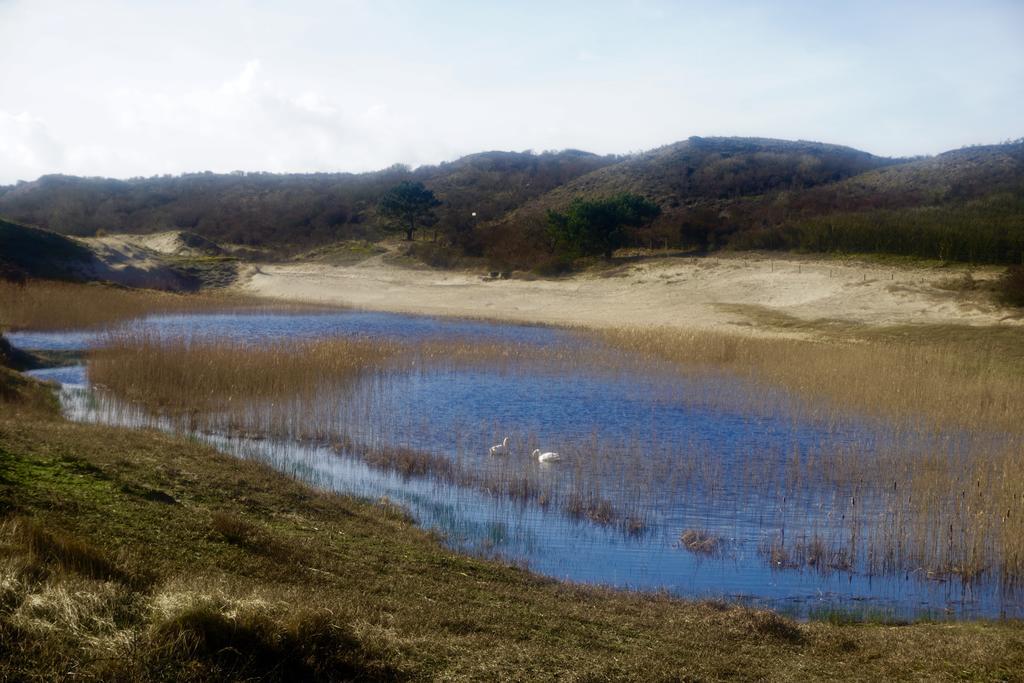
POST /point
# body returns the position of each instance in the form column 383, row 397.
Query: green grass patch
column 342, row 253
column 252, row 575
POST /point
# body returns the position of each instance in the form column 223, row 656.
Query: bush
column 12, row 273
column 1011, row 286
column 599, row 226
column 435, row 254
column 234, row 529
column 559, row 264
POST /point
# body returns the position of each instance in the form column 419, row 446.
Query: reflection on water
column 668, row 451
column 255, row 328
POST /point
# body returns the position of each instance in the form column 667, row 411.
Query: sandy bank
column 718, row 292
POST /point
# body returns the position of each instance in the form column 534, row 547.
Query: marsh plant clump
column 913, row 484
column 700, row 542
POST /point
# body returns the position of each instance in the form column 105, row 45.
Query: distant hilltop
column 966, row 204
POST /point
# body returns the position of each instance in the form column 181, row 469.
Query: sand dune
column 717, row 292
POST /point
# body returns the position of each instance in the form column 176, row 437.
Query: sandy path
column 682, row 292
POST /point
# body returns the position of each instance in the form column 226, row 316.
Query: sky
column 125, row 88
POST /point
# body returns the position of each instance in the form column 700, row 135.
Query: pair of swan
column 502, row 449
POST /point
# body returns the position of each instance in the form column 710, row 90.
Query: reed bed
column 944, row 499
column 946, row 385
column 909, row 495
column 47, row 305
column 177, row 375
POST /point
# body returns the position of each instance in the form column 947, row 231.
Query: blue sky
column 125, row 88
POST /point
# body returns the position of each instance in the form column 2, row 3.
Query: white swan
column 501, row 448
column 546, row 457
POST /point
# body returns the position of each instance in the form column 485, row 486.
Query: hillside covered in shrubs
column 711, row 193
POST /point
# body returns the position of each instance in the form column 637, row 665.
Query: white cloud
column 121, row 88
column 26, row 146
column 246, row 122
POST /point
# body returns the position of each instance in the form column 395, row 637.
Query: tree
column 598, row 226
column 409, row 205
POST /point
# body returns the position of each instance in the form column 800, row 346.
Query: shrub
column 599, row 226
column 1011, row 286
column 435, row 254
column 559, row 264
column 234, row 529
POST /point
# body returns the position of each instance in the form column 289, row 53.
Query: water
column 675, row 451
column 255, row 328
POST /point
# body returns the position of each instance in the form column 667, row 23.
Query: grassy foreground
column 132, row 555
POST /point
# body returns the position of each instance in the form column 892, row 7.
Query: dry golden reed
column 178, row 375
column 938, row 494
column 947, row 385
column 51, row 305
column 946, row 499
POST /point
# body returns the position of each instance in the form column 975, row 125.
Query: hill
column 723, row 168
column 172, row 261
column 298, row 210
column 29, row 252
column 692, row 181
column 965, row 205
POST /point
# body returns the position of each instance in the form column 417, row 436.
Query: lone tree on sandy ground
column 409, row 205
column 598, row 226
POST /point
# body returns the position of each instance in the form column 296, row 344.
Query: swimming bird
column 546, row 457
column 501, row 448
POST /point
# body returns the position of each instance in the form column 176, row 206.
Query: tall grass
column 931, row 485
column 178, row 375
column 969, row 385
column 944, row 498
column 52, row 305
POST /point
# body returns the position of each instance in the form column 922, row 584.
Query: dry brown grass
column 950, row 385
column 699, row 541
column 177, row 375
column 52, row 305
column 23, row 395
column 369, row 596
column 927, row 502
column 69, row 553
column 923, row 502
